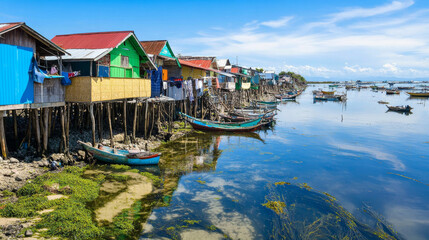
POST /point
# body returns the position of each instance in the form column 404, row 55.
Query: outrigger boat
column 114, row 156
column 399, row 108
column 241, row 117
column 206, row 125
column 418, row 94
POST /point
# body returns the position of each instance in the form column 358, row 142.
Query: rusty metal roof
column 201, row 63
column 153, row 47
column 91, row 40
column 5, row 27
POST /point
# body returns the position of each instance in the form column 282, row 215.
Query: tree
column 260, row 70
column 282, row 73
column 296, row 76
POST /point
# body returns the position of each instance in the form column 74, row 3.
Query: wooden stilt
column 91, row 114
column 15, row 126
column 125, row 122
column 99, row 118
column 45, row 129
column 135, row 122
column 37, row 129
column 146, row 119
column 3, row 145
column 63, row 130
column 110, row 124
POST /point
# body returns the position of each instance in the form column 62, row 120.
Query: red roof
column 202, row 63
column 153, row 47
column 191, row 64
column 6, row 26
column 234, row 70
column 91, row 40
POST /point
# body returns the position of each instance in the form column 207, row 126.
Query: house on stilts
column 26, row 81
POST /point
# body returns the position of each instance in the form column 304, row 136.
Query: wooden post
column 135, row 121
column 45, row 129
column 68, row 126
column 3, row 145
column 63, row 130
column 110, row 125
column 125, row 122
column 91, row 114
column 15, row 126
column 99, row 118
column 37, row 128
column 146, row 119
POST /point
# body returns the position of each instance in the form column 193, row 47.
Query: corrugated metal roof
column 226, row 74
column 153, row 47
column 191, row 64
column 91, row 40
column 223, row 63
column 83, row 54
column 201, row 63
column 4, row 27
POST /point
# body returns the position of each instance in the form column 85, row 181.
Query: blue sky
column 319, row 39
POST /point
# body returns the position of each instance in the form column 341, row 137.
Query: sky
column 320, row 39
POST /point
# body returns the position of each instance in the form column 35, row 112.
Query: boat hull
column 418, row 94
column 120, row 158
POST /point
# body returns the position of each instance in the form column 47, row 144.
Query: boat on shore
column 418, row 94
column 115, row 156
column 207, row 125
column 406, row 108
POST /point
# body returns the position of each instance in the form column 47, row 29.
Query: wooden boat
column 418, row 94
column 392, row 91
column 267, row 103
column 286, row 97
column 383, row 102
column 399, row 108
column 113, row 156
column 334, row 85
column 241, row 117
column 405, row 88
column 328, row 92
column 329, row 97
column 206, row 125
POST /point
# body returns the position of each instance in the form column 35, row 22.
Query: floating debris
column 412, row 179
column 282, row 183
column 202, row 182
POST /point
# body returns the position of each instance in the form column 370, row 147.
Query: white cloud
column 386, row 45
column 277, row 23
column 370, row 12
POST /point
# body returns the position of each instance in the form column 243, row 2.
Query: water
column 347, row 169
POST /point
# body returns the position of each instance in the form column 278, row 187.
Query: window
column 124, row 61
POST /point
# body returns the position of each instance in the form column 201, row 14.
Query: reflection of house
column 161, row 54
column 22, row 81
column 113, row 65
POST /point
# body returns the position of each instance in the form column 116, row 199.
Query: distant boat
column 333, row 85
column 207, row 125
column 418, row 94
column 392, row 91
column 405, row 88
column 328, row 92
column 113, row 156
column 267, row 103
column 399, row 108
column 383, row 102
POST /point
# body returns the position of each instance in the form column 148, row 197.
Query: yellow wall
column 94, row 89
column 192, row 72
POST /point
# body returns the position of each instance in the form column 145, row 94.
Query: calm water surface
column 349, row 169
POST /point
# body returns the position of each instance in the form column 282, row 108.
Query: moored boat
column 207, row 125
column 328, row 92
column 114, row 156
column 418, row 94
column 399, row 108
column 392, row 91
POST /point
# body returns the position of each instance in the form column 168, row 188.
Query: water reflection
column 367, row 158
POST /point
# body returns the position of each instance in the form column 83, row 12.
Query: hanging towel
column 164, row 85
column 217, row 83
column 65, row 80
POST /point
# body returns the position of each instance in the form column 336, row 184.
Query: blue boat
column 206, row 125
column 114, row 156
